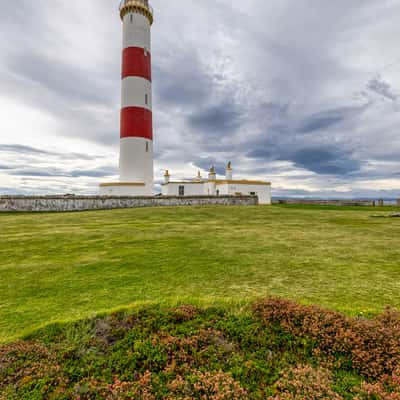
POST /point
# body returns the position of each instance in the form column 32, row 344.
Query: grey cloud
column 265, row 153
column 39, row 172
column 320, row 122
column 316, row 155
column 326, row 160
column 181, row 79
column 69, row 81
column 76, row 94
column 95, row 173
column 216, row 120
column 57, row 172
column 382, row 88
column 207, row 163
column 265, row 147
column 329, row 118
column 21, row 149
column 28, row 150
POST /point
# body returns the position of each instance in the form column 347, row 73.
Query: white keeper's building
column 211, row 186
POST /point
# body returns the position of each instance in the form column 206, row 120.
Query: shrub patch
column 278, row 350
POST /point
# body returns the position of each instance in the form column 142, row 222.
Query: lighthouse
column 136, row 126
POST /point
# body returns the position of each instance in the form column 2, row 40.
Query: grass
column 63, row 267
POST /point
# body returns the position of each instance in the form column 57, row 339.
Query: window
column 181, row 190
column 146, row 99
column 217, row 192
column 147, row 147
column 253, row 194
column 131, row 17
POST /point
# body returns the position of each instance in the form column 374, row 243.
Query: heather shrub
column 305, row 383
column 370, row 346
column 195, row 385
column 185, row 312
column 190, row 353
column 31, row 366
column 89, row 389
column 387, row 388
column 206, row 386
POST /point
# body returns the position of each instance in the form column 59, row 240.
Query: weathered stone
column 86, row 203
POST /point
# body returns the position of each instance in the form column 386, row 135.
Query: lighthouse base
column 125, row 189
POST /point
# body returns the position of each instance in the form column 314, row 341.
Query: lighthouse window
column 131, row 17
column 146, row 99
column 147, row 147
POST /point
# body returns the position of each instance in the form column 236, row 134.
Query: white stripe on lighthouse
column 136, row 92
column 136, row 31
column 136, row 161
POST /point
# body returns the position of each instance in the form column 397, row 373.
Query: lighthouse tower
column 136, row 129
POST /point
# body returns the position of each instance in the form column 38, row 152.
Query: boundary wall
column 371, row 203
column 86, row 203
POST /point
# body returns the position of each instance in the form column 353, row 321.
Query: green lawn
column 68, row 266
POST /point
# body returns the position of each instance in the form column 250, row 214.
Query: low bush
column 306, row 382
column 279, row 351
column 370, row 346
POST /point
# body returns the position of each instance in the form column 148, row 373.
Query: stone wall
column 328, row 202
column 85, row 203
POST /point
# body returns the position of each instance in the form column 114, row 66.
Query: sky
column 302, row 93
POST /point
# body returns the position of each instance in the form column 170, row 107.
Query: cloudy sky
column 304, row 93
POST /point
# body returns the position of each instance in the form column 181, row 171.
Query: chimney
column 229, row 175
column 198, row 178
column 212, row 176
column 166, row 176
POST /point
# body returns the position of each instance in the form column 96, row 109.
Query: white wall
column 191, row 189
column 262, row 191
column 211, row 188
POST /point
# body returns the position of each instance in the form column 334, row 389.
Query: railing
column 145, row 3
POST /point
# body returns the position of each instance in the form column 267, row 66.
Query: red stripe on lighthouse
column 136, row 62
column 136, row 122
